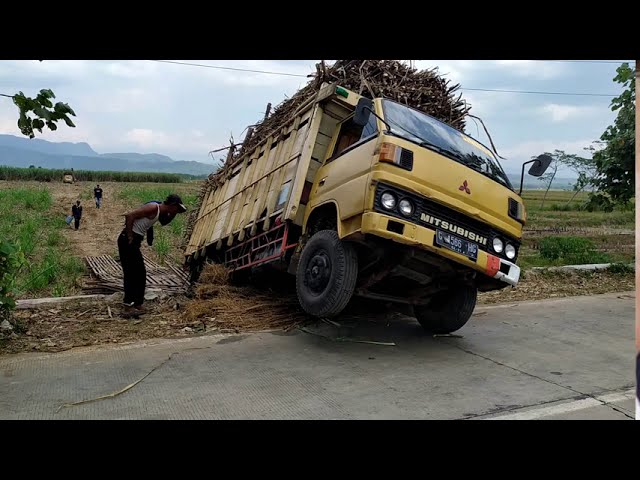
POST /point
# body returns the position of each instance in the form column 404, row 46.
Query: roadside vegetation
column 566, row 232
column 47, row 265
column 49, row 175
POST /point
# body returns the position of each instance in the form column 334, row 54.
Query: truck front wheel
column 448, row 311
column 326, row 275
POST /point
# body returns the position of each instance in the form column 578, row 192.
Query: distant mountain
column 42, row 146
column 23, row 152
column 140, row 157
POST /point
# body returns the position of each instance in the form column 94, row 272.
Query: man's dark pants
column 133, row 269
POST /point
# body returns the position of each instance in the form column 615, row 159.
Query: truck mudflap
column 502, row 270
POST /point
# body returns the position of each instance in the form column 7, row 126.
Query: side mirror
column 540, row 165
column 363, row 112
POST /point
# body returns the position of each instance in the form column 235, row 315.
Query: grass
column 621, row 268
column 48, row 175
column 560, row 212
column 610, row 234
column 572, row 250
column 50, row 269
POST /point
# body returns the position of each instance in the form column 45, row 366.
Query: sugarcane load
column 363, row 183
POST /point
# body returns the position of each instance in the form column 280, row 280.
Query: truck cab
column 425, row 211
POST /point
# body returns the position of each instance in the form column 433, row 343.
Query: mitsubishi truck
column 371, row 198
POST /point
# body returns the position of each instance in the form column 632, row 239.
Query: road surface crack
column 131, row 385
column 571, row 389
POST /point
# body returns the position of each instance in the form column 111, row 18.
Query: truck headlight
column 406, row 207
column 388, row 200
column 510, row 251
column 498, row 246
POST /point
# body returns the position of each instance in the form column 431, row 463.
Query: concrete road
column 556, row 359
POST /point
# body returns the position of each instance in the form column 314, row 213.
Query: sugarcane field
column 349, row 239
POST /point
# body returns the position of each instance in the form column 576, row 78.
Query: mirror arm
column 522, row 175
column 379, row 117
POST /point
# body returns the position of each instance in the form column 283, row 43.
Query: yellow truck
column 370, row 198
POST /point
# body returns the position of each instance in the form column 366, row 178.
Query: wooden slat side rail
column 108, row 276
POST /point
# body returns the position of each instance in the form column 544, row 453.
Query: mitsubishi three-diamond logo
column 465, row 187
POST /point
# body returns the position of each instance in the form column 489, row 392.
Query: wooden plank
column 303, row 166
column 274, row 192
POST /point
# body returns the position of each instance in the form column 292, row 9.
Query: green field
column 47, row 175
column 30, row 217
column 559, row 211
column 611, row 234
column 50, row 268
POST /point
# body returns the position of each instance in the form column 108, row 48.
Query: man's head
column 77, row 202
column 97, row 186
column 170, row 208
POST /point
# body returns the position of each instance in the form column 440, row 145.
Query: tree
column 35, row 113
column 584, row 168
column 550, row 174
column 616, row 161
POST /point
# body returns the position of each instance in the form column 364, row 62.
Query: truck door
column 343, row 177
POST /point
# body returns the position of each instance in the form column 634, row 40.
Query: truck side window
column 370, row 128
column 351, row 133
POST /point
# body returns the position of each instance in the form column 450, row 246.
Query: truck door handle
column 321, row 183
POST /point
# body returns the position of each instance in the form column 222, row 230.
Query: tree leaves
column 616, row 161
column 36, row 113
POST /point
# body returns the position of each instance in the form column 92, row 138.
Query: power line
column 538, row 93
column 236, row 69
column 231, row 68
column 617, row 62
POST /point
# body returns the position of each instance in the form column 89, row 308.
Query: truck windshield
column 430, row 133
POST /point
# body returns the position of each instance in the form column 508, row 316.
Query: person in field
column 97, row 194
column 76, row 211
column 137, row 224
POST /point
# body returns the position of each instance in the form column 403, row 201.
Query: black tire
column 447, row 311
column 326, row 275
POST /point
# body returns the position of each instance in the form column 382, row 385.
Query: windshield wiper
column 439, row 149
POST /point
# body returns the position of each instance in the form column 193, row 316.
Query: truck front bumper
column 378, row 224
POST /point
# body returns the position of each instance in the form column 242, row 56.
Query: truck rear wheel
column 448, row 311
column 326, row 275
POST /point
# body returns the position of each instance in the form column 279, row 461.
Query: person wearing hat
column 137, row 223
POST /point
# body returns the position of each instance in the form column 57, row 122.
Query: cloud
column 542, row 70
column 192, row 143
column 121, row 100
column 244, row 78
column 524, row 151
column 560, row 113
column 484, row 104
column 185, row 111
column 464, row 70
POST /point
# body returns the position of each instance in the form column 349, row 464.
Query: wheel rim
column 318, row 272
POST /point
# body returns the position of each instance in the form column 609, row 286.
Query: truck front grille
column 431, row 214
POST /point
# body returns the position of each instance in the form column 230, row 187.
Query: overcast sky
column 186, row 111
